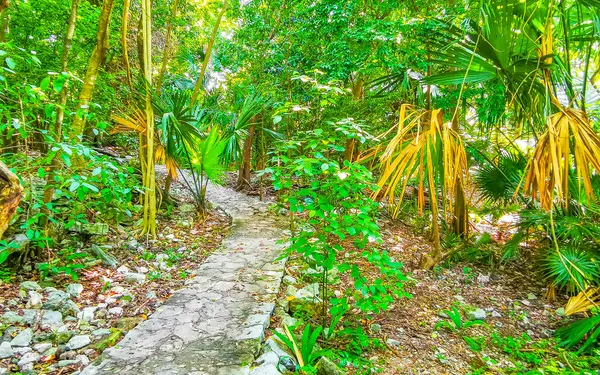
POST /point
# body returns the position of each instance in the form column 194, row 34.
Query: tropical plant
column 585, row 330
column 569, row 146
column 456, row 322
column 305, row 351
column 203, row 158
column 583, row 301
column 498, row 181
column 572, row 269
column 238, row 130
column 427, row 149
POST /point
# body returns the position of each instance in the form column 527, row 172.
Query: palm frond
column 424, row 148
column 587, row 329
column 499, row 182
column 583, row 301
column 571, row 269
column 569, row 145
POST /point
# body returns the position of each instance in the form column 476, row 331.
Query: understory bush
column 334, row 231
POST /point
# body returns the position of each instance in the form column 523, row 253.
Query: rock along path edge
column 215, row 324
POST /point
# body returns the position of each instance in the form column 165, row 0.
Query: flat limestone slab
column 215, row 325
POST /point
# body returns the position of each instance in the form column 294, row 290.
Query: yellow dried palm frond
column 569, row 142
column 159, row 154
column 172, row 166
column 135, row 122
column 583, row 301
column 424, row 147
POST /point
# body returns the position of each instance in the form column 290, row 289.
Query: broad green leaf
column 10, row 63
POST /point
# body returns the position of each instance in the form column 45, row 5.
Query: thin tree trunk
column 429, row 261
column 209, row 48
column 124, row 28
column 140, row 45
column 60, row 115
column 167, row 51
column 358, row 90
column 161, row 77
column 243, row 181
column 91, row 74
column 11, row 192
column 4, row 20
column 149, row 210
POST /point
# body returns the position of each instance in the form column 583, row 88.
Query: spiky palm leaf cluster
column 498, row 182
column 571, row 269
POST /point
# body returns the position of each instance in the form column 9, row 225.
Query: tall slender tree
column 124, row 29
column 168, row 46
column 91, row 75
column 149, row 211
column 60, row 114
column 209, row 48
column 4, row 19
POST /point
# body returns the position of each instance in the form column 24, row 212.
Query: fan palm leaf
column 583, row 301
column 568, row 146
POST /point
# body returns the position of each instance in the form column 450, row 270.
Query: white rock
column 84, row 360
column 393, row 343
column 23, row 338
column 51, row 319
column 87, row 313
column 476, row 314
column 27, row 358
column 35, row 299
column 310, row 292
column 289, row 320
column 483, row 279
column 137, row 278
column 42, row 347
column 123, row 269
column 265, row 369
column 78, row 342
column 21, row 351
column 6, row 350
column 268, row 358
column 115, row 311
column 30, row 285
column 75, row 290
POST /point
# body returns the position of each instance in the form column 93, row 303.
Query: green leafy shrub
column 456, row 322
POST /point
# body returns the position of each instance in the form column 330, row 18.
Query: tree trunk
column 64, row 61
column 243, row 181
column 209, row 48
column 11, row 192
column 140, row 45
column 124, row 28
column 358, row 92
column 91, row 74
column 167, row 51
column 4, row 20
column 149, row 210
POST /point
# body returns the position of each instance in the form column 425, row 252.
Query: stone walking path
column 215, row 325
